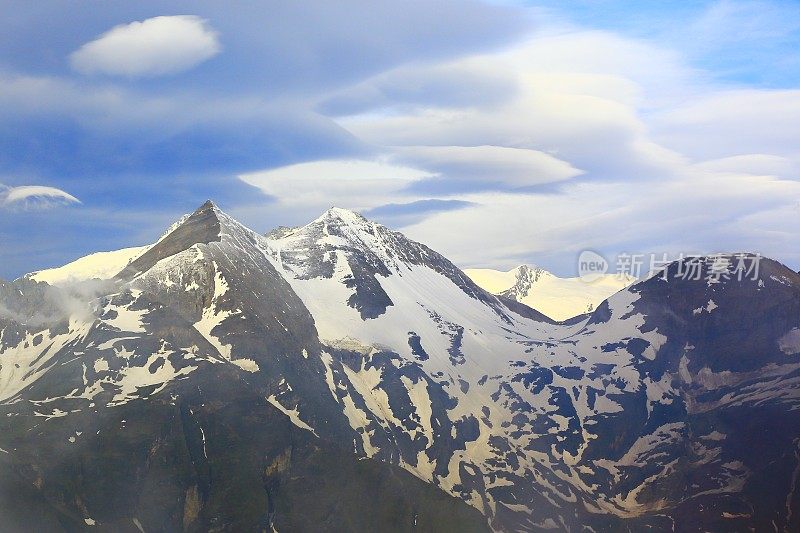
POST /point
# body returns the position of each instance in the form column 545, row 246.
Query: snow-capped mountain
column 99, row 265
column 558, row 298
column 341, row 376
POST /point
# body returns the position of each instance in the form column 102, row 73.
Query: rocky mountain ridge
column 220, row 374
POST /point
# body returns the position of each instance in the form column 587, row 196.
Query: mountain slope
column 558, row 412
column 229, row 380
column 558, row 298
column 100, row 265
column 194, row 391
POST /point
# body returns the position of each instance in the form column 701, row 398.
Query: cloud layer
column 359, row 184
column 598, row 141
column 152, row 47
column 498, row 133
column 37, row 196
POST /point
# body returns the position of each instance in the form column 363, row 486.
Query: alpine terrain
column 558, row 298
column 341, row 377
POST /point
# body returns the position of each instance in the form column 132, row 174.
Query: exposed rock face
column 339, row 376
column 173, row 406
column 342, row 240
column 202, row 227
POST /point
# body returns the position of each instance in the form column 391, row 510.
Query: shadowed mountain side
column 231, row 381
column 210, row 454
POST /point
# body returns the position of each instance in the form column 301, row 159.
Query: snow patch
column 293, row 414
column 100, row 265
column 246, row 364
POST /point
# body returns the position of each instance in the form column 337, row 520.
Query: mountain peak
column 209, row 210
column 345, row 215
column 556, row 297
column 356, row 251
column 202, row 226
column 343, row 223
column 528, row 271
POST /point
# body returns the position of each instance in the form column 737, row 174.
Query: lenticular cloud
column 34, row 196
column 152, row 47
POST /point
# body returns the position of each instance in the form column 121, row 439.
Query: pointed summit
column 202, row 226
column 343, row 215
column 341, row 212
column 339, row 224
column 209, row 208
column 356, row 252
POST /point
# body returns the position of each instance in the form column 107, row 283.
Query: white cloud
column 364, row 184
column 666, row 158
column 701, row 212
column 152, row 47
column 726, row 123
column 355, row 184
column 673, row 162
column 495, row 165
column 756, row 164
column 578, row 97
column 37, row 196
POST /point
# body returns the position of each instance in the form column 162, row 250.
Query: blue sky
column 497, row 132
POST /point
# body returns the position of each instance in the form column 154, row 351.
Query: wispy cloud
column 34, row 196
column 485, row 167
column 406, row 214
column 357, row 184
column 670, row 160
column 659, row 125
column 152, row 47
